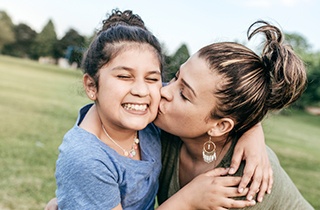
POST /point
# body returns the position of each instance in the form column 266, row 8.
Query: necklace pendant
column 126, row 153
column 133, row 153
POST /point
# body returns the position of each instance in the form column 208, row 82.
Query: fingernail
column 253, row 202
column 240, row 190
column 231, row 171
column 260, row 199
column 250, row 197
column 269, row 191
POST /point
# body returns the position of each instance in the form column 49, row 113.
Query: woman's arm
column 212, row 190
column 251, row 148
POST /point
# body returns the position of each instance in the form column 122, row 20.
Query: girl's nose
column 140, row 88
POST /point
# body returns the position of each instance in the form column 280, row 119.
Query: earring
column 209, row 151
column 91, row 95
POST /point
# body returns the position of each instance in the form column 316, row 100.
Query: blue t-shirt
column 91, row 175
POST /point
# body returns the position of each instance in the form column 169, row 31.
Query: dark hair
column 123, row 18
column 120, row 31
column 251, row 85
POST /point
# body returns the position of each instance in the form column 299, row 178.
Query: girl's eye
column 123, row 76
column 151, row 79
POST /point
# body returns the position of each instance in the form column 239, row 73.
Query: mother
column 229, row 89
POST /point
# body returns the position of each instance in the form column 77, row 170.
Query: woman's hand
column 211, row 190
column 251, row 148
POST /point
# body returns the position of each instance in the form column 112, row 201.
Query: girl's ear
column 90, row 87
column 221, row 127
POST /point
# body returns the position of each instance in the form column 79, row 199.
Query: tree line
column 22, row 41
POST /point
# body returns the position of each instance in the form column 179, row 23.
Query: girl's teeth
column 135, row 107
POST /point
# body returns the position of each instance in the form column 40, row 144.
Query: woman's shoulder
column 273, row 158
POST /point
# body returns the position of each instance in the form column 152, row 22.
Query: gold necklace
column 132, row 152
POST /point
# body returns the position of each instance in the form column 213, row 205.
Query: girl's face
column 129, row 89
column 186, row 102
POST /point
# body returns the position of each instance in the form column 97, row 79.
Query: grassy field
column 39, row 103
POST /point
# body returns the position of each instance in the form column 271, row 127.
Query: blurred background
column 41, row 47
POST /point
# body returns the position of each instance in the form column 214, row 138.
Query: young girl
column 112, row 156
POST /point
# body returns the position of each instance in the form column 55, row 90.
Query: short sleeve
column 84, row 180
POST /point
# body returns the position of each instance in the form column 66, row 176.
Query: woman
column 228, row 89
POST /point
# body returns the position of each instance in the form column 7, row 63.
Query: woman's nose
column 166, row 92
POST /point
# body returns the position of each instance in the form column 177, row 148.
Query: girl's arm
column 251, row 148
column 53, row 205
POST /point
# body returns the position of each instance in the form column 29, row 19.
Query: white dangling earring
column 209, row 151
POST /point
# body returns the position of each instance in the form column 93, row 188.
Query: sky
column 175, row 22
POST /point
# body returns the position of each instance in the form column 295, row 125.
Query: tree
column 311, row 96
column 24, row 38
column 172, row 63
column 71, row 46
column 298, row 42
column 6, row 26
column 45, row 42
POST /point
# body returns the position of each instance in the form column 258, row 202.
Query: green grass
column 295, row 136
column 39, row 103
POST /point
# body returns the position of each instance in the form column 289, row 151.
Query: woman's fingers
column 217, row 172
column 230, row 203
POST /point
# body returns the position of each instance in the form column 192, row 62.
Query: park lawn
column 39, row 103
column 295, row 138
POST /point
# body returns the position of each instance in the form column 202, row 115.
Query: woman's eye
column 183, row 96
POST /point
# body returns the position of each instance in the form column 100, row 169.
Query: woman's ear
column 90, row 87
column 221, row 127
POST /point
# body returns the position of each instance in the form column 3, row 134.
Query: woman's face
column 186, row 102
column 129, row 89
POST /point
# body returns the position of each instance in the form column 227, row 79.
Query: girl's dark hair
column 251, row 85
column 123, row 18
column 120, row 31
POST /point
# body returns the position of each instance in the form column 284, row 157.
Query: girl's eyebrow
column 155, row 72
column 118, row 68
column 125, row 68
